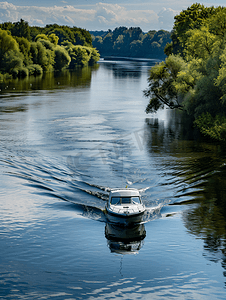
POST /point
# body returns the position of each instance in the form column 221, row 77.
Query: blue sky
column 98, row 15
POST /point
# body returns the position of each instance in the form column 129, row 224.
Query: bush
column 62, row 58
column 23, row 72
column 35, row 70
column 95, row 56
column 14, row 73
column 11, row 60
column 1, row 77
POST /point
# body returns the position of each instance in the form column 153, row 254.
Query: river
column 65, row 141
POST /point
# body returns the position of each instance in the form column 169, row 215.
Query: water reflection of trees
column 81, row 77
column 126, row 69
column 208, row 219
column 9, row 109
column 198, row 167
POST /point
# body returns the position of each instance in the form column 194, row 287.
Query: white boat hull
column 125, row 219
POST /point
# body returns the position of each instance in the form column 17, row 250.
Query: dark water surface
column 65, row 141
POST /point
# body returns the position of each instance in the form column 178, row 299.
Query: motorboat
column 125, row 207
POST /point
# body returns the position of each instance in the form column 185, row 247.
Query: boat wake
column 53, row 179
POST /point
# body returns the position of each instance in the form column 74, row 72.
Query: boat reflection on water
column 125, row 240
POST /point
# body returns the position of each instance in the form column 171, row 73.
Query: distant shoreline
column 120, row 58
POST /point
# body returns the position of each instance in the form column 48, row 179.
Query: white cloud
column 65, row 15
column 115, row 15
column 166, row 17
column 101, row 16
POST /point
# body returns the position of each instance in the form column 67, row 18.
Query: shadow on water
column 207, row 220
column 196, row 169
column 81, row 77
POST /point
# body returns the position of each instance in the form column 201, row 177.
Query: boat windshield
column 115, row 200
column 136, row 200
column 126, row 200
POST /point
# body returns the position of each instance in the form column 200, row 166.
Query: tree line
column 131, row 42
column 193, row 76
column 26, row 50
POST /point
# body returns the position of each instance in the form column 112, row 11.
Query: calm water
column 65, row 141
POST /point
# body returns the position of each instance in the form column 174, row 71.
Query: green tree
column 199, row 84
column 62, row 58
column 47, row 44
column 79, row 56
column 136, row 48
column 34, row 31
column 162, row 84
column 35, row 69
column 136, row 33
column 10, row 56
column 41, row 36
column 108, row 43
column 192, row 18
column 214, row 127
column 41, row 56
column 220, row 80
column 61, row 34
column 98, row 42
column 24, row 46
column 200, row 43
column 11, row 60
column 94, row 56
column 6, row 26
column 217, row 22
column 21, row 29
column 53, row 39
column 119, row 42
column 132, row 42
column 7, row 43
column 20, row 57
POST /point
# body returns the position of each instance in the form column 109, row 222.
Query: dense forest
column 31, row 50
column 193, row 76
column 26, row 50
column 131, row 42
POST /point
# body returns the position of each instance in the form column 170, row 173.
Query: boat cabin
column 124, row 197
